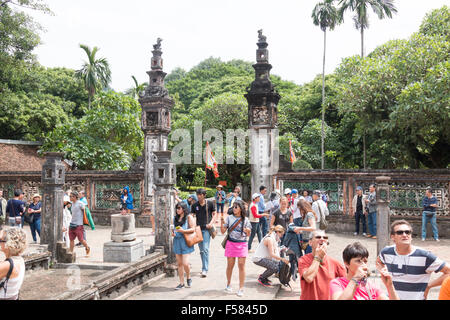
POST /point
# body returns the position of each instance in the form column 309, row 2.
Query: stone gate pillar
column 383, row 212
column 156, row 114
column 164, row 199
column 262, row 121
column 53, row 178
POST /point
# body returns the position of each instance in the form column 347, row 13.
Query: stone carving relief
column 260, row 115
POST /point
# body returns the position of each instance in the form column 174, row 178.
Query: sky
column 193, row 30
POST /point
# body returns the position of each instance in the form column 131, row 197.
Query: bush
column 300, row 165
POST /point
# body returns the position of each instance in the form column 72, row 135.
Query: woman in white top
column 67, row 217
column 309, row 224
column 267, row 254
column 13, row 242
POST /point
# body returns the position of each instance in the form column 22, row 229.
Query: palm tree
column 95, row 73
column 137, row 89
column 383, row 8
column 326, row 16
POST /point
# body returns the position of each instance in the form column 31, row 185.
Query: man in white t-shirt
column 319, row 203
column 410, row 266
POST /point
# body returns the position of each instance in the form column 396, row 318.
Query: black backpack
column 284, row 274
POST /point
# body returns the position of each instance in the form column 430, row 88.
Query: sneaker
column 34, row 242
column 228, row 289
column 204, row 273
column 423, row 239
column 88, row 251
column 240, row 293
column 269, row 282
column 188, row 283
column 263, row 282
column 180, row 286
column 355, row 233
column 364, row 234
column 437, row 240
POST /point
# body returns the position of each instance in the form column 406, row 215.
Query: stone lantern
column 383, row 212
column 53, row 178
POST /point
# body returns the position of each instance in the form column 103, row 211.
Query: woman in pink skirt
column 239, row 229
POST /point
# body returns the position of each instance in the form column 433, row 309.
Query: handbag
column 193, row 237
column 29, row 217
column 212, row 231
column 323, row 224
column 229, row 230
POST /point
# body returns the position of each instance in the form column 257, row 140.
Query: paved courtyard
column 46, row 284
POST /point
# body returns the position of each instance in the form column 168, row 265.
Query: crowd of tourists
column 290, row 230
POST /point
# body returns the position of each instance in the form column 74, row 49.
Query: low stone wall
column 117, row 282
column 345, row 224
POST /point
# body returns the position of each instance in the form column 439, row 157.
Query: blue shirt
column 261, row 204
column 36, row 207
column 426, row 203
column 15, row 207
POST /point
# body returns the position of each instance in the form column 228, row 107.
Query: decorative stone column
column 53, row 177
column 156, row 114
column 164, row 179
column 262, row 120
column 383, row 213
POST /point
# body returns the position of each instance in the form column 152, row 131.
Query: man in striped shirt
column 410, row 266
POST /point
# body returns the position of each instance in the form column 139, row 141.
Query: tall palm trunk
column 364, row 129
column 323, row 99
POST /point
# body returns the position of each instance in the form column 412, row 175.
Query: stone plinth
column 123, row 251
column 123, row 227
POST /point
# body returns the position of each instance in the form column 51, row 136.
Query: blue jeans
column 220, row 207
column 372, row 223
column 35, row 226
column 204, row 249
column 256, row 229
column 360, row 216
column 425, row 221
column 263, row 226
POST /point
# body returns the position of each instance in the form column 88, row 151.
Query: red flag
column 292, row 152
column 211, row 162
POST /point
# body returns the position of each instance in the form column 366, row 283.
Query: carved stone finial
column 157, row 46
column 261, row 37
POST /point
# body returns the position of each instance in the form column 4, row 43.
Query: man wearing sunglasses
column 410, row 266
column 317, row 269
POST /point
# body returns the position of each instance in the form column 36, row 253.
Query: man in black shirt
column 205, row 215
column 359, row 210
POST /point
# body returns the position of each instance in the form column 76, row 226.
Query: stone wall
column 406, row 193
column 20, row 156
column 103, row 189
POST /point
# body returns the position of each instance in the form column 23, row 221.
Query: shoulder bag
column 212, row 231
column 323, row 224
column 229, row 230
column 4, row 283
column 194, row 237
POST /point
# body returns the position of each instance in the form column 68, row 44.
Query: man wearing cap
column 254, row 217
column 35, row 209
column 15, row 209
column 358, row 210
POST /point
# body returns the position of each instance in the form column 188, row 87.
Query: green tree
column 383, row 8
column 95, row 72
column 135, row 91
column 108, row 137
column 326, row 16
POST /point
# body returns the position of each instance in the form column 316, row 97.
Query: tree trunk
column 362, row 42
column 323, row 100
column 364, row 131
